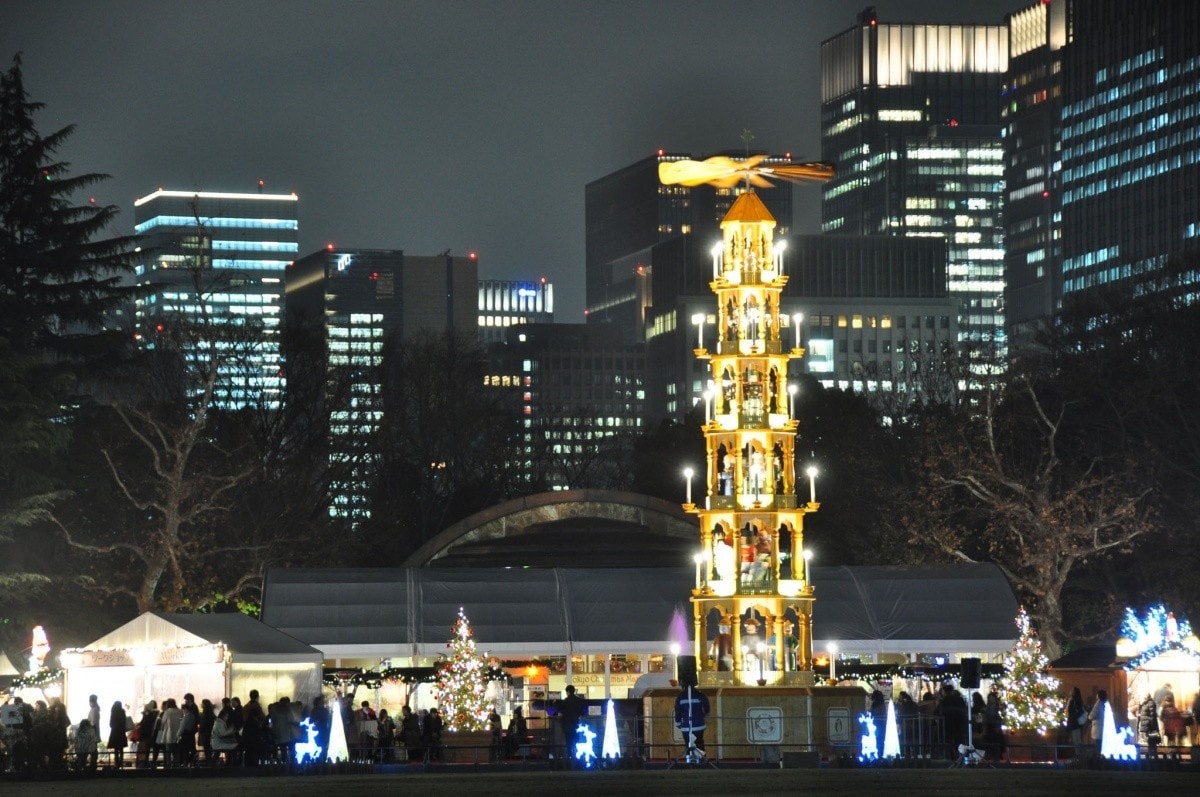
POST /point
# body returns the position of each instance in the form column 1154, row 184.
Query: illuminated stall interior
column 159, row 655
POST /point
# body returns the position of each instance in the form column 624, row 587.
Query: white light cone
column 891, row 736
column 612, row 745
column 338, row 749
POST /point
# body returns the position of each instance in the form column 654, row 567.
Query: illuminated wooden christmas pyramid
column 751, row 574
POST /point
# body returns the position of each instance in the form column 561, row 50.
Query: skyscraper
column 1101, row 148
column 582, row 401
column 1031, row 112
column 217, row 259
column 1130, row 143
column 346, row 303
column 629, row 211
column 505, row 303
column 910, row 118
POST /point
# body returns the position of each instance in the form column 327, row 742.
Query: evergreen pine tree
column 462, row 680
column 59, row 282
column 1027, row 692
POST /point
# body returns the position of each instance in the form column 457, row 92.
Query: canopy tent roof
column 395, row 612
column 247, row 639
column 7, row 670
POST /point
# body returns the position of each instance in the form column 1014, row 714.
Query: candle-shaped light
column 780, row 245
column 698, row 320
column 688, row 473
column 812, row 483
column 716, row 253
column 698, row 558
column 709, row 395
column 797, row 320
column 833, row 649
column 762, row 654
column 808, row 555
column 792, row 389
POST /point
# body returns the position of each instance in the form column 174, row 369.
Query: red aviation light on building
column 1045, row 195
column 954, row 123
column 543, row 280
column 92, row 201
column 329, row 247
column 374, row 275
column 159, row 327
column 472, row 255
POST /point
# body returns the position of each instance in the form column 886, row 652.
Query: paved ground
column 968, row 782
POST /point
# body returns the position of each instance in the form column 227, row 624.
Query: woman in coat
column 117, row 728
column 146, row 728
column 1172, row 722
column 1147, row 718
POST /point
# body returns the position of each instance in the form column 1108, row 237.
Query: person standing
column 691, row 709
column 189, row 723
column 570, row 709
column 322, row 720
column 431, row 737
column 1077, row 720
column 85, row 747
column 118, row 724
column 254, row 725
column 170, row 722
column 410, row 734
column 518, row 729
column 94, row 713
column 1173, row 728
column 146, row 728
column 1147, row 719
column 208, row 718
column 1096, row 718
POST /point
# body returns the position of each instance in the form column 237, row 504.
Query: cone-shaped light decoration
column 612, row 745
column 338, row 749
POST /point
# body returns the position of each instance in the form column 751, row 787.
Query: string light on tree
column 462, row 680
column 1028, row 693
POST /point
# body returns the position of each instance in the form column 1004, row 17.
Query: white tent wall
column 159, row 656
column 299, row 682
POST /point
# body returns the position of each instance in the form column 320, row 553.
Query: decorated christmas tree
column 462, row 681
column 1027, row 692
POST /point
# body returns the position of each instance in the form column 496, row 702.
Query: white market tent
column 159, row 655
column 381, row 613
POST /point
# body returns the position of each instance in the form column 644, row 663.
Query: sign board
column 839, row 724
column 764, row 725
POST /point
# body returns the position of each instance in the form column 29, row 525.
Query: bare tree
column 182, row 461
column 1026, row 484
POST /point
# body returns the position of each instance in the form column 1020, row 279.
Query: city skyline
column 479, row 124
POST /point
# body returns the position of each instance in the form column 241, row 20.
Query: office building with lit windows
column 1129, row 187
column 219, row 258
column 910, row 117
column 1030, row 111
column 628, row 212
column 342, row 306
column 583, row 402
column 505, row 303
column 1102, row 135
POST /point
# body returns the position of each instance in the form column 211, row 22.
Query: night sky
column 426, row 126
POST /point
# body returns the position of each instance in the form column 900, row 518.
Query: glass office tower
column 217, row 260
column 910, row 116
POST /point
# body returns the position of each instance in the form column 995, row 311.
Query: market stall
column 159, row 655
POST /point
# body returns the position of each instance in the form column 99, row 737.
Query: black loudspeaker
column 686, row 669
column 970, row 674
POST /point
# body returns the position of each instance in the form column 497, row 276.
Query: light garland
column 38, row 680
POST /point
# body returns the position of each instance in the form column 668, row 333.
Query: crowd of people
column 184, row 733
